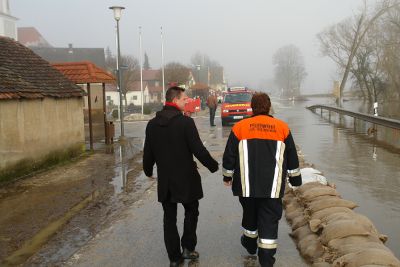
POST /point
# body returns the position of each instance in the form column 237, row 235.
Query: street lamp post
column 117, row 16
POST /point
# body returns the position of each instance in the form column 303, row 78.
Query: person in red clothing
column 171, row 142
column 260, row 153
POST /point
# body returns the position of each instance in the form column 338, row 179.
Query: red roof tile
column 84, row 72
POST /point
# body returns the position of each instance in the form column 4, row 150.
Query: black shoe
column 176, row 263
column 251, row 249
column 191, row 255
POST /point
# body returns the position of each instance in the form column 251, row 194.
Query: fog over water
column 241, row 35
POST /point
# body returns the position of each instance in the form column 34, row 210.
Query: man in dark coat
column 171, row 141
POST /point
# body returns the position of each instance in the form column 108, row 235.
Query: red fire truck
column 192, row 106
column 236, row 105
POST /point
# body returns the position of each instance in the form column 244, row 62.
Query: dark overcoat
column 171, row 141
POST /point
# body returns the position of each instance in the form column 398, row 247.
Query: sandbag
column 287, row 198
column 321, row 264
column 367, row 257
column 294, row 205
column 342, row 228
column 310, row 247
column 300, row 232
column 299, row 221
column 317, row 224
column 305, row 187
column 321, row 214
column 315, row 206
column 357, row 218
column 335, row 244
column 291, row 215
column 318, row 191
column 309, row 175
column 353, row 248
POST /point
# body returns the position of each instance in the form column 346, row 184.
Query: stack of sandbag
column 327, row 231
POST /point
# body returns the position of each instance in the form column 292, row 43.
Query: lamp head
column 117, row 12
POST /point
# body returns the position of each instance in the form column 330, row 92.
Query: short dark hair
column 172, row 92
column 260, row 103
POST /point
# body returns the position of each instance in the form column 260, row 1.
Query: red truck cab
column 236, row 105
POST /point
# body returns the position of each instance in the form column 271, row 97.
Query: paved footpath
column 137, row 238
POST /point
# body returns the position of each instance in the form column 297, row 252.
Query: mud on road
column 46, row 217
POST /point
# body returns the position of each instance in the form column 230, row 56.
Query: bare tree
column 341, row 42
column 146, row 64
column 390, row 26
column 289, row 70
column 176, row 72
column 130, row 71
column 212, row 67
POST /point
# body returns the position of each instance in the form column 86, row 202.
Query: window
column 108, row 97
column 236, row 98
column 134, row 97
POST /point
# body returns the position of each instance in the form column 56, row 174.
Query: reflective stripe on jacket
column 259, row 155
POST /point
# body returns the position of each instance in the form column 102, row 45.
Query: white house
column 133, row 96
column 8, row 23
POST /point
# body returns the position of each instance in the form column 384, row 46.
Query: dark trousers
column 171, row 235
column 260, row 222
column 212, row 115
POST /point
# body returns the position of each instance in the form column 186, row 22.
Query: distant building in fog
column 31, row 37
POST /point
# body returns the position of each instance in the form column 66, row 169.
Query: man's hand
column 229, row 183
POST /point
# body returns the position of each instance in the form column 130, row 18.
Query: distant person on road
column 212, row 103
column 259, row 154
column 171, row 141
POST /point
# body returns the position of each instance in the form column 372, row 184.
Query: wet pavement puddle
column 33, row 245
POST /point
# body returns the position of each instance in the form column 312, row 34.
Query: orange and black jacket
column 259, row 155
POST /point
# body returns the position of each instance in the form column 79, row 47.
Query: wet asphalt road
column 137, row 238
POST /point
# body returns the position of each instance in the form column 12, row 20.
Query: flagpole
column 141, row 66
column 162, row 65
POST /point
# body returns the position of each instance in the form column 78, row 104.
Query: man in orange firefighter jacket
column 260, row 153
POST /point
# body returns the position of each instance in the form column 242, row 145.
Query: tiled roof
column 155, row 89
column 23, row 74
column 72, row 54
column 151, row 75
column 84, row 72
column 135, row 86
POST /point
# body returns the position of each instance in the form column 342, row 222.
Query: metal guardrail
column 391, row 123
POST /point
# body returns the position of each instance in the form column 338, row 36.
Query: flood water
column 365, row 171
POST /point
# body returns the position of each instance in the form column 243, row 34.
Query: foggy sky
column 241, row 35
